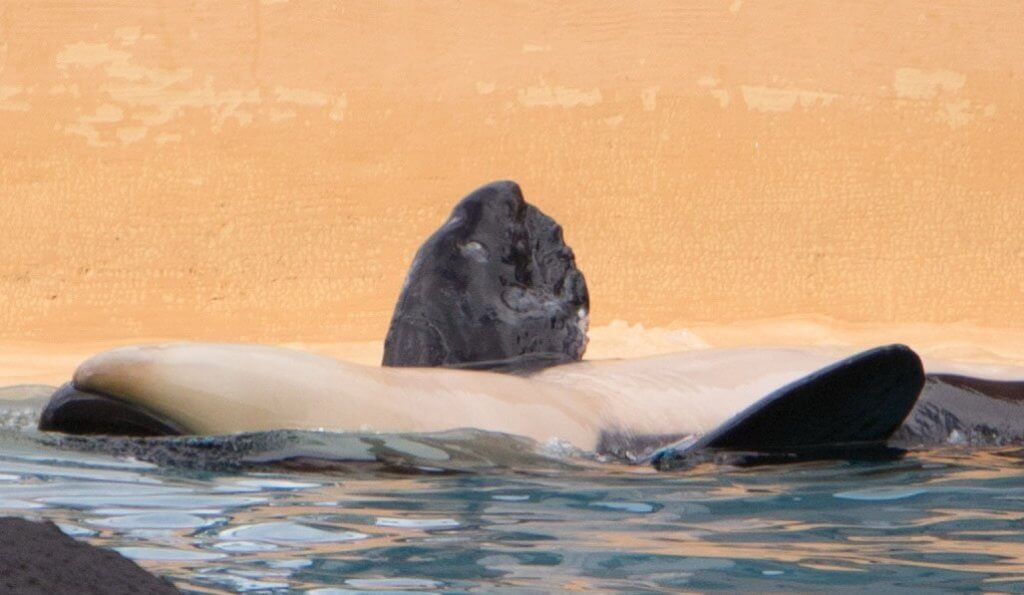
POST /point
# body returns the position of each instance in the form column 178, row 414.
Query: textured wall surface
column 264, row 170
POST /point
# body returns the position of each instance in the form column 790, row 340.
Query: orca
column 770, row 400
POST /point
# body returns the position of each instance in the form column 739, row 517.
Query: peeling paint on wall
column 912, row 83
column 265, row 170
column 548, row 96
column 769, row 99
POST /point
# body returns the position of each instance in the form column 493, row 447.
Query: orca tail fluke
column 861, row 400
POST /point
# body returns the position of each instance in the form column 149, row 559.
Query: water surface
column 489, row 513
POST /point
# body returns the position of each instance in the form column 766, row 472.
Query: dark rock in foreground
column 496, row 282
column 40, row 558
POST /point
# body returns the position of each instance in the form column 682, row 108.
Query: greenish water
column 488, row 513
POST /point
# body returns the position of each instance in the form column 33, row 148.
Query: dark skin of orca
column 875, row 390
column 886, row 382
column 861, row 400
column 983, row 412
column 964, row 410
column 495, row 281
column 74, row 411
column 1004, row 390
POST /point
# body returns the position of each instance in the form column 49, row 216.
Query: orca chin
column 74, row 411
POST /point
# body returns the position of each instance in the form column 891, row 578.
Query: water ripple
column 940, row 520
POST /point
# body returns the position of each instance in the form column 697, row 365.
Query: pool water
column 489, row 513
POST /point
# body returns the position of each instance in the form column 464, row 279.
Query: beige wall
column 264, row 170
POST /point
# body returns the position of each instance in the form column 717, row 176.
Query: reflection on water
column 470, row 511
column 942, row 519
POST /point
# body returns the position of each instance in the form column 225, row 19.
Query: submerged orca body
column 958, row 409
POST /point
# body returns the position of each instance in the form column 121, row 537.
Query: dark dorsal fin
column 494, row 283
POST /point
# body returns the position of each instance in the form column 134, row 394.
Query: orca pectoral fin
column 860, row 400
column 73, row 411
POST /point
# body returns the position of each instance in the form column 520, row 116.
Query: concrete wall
column 264, row 170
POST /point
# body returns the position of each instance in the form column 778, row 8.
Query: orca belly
column 768, row 399
column 224, row 388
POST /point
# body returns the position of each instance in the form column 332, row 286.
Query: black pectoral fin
column 73, row 411
column 861, row 399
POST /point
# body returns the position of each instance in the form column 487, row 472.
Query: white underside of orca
column 229, row 388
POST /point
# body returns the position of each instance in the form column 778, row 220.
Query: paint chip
column 911, row 83
column 7, row 102
column 649, row 98
column 306, row 97
column 128, row 35
column 772, row 99
column 547, row 96
column 338, row 110
column 614, row 121
column 131, row 134
column 956, row 113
